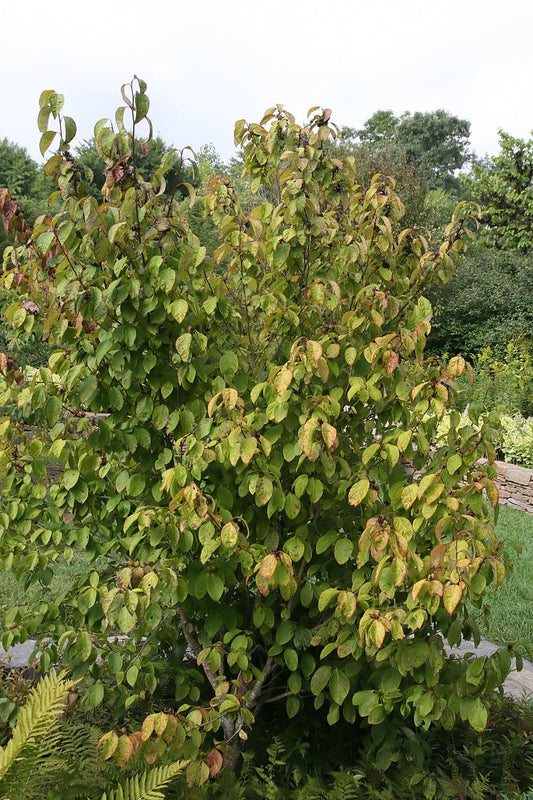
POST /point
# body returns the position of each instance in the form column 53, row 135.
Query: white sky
column 209, row 63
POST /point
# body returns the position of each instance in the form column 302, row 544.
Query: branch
column 194, row 644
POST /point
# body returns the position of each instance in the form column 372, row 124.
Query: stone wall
column 516, row 486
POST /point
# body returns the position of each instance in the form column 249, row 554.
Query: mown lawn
column 510, row 607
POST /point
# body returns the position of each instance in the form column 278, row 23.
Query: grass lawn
column 12, row 591
column 511, row 606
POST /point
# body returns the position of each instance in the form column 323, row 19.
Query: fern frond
column 36, row 719
column 148, row 785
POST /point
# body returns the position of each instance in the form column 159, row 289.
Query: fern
column 35, row 724
column 345, row 787
column 72, row 766
column 49, row 759
column 147, row 786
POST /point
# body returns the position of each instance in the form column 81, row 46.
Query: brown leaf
column 214, row 762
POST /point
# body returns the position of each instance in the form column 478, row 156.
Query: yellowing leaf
column 329, row 435
column 310, row 447
column 358, row 492
column 264, row 490
column 346, row 604
column 376, row 632
column 456, row 366
column 107, row 744
column 268, row 565
column 229, row 534
column 314, row 350
column 283, row 380
column 409, row 495
column 390, row 361
column 248, row 449
column 451, row 597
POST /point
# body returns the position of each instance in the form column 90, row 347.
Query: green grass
column 510, row 607
column 12, row 592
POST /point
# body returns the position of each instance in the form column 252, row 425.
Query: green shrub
column 516, row 442
column 503, row 383
column 234, row 436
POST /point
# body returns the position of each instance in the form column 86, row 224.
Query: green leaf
column 228, row 365
column 183, row 346
column 144, row 408
column 160, row 417
column 137, row 485
column 292, row 706
column 46, row 140
column 290, row 657
column 126, row 621
column 320, row 679
column 264, row 490
column 327, row 597
column 285, row 631
column 70, row 478
column 69, row 129
column 294, row 547
column 476, row 713
column 454, row 463
column 215, row 587
column 84, row 646
column 142, row 104
column 343, row 550
column 93, row 698
column 52, row 410
column 339, row 686
column 88, row 389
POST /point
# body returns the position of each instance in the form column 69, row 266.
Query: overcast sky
column 210, row 62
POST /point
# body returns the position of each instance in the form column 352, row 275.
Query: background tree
column 25, row 180
column 435, row 143
column 245, row 448
column 503, row 186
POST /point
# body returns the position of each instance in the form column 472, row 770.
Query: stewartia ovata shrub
column 242, row 447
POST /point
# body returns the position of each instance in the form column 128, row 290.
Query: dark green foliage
column 438, row 765
column 410, row 186
column 487, row 302
column 26, row 182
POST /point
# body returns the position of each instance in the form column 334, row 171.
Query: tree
column 504, row 189
column 21, row 175
column 435, row 143
column 379, row 130
column 245, row 449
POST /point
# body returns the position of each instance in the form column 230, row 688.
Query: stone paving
column 518, row 684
